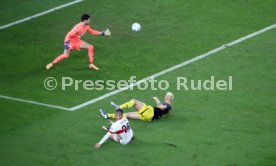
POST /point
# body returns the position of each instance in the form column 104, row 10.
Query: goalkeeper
column 73, row 41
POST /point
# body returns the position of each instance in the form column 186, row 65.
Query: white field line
column 147, row 78
column 40, row 14
column 35, row 103
column 174, row 67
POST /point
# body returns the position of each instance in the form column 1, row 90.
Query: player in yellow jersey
column 143, row 111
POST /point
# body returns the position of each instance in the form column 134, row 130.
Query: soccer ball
column 136, row 27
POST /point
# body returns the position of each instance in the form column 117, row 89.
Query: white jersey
column 122, row 130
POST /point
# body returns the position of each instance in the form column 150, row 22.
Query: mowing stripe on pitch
column 174, row 67
column 40, row 14
column 34, row 102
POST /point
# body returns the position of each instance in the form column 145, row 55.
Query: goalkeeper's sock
column 60, row 58
column 91, row 54
column 128, row 104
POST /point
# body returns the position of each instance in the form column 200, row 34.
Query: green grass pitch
column 205, row 128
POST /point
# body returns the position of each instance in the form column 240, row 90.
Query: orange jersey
column 79, row 30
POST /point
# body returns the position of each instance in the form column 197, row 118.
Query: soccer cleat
column 49, row 66
column 103, row 113
column 92, row 66
column 105, row 128
column 115, row 105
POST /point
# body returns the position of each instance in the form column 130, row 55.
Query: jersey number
column 126, row 127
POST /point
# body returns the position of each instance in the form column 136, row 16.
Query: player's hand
column 97, row 145
column 107, row 32
column 156, row 99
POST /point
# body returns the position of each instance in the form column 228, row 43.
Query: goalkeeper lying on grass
column 144, row 112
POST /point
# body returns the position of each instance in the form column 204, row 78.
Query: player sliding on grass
column 119, row 131
column 144, row 112
column 73, row 41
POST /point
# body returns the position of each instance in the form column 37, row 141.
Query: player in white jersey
column 119, row 131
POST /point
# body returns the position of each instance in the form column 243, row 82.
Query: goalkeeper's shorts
column 146, row 113
column 74, row 43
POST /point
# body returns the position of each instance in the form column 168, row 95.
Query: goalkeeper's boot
column 105, row 128
column 103, row 113
column 92, row 66
column 115, row 105
column 50, row 65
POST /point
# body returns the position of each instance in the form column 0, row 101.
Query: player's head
column 119, row 113
column 85, row 18
column 168, row 97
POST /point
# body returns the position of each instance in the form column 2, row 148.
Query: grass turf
column 205, row 128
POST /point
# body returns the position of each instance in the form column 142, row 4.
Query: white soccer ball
column 136, row 27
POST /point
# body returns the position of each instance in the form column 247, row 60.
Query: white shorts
column 122, row 141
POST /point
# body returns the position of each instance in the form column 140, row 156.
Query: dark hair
column 84, row 17
column 119, row 112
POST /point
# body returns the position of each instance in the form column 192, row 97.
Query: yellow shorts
column 146, row 113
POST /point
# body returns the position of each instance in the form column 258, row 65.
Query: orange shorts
column 73, row 44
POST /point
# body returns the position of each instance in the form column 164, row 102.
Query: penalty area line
column 39, row 14
column 35, row 103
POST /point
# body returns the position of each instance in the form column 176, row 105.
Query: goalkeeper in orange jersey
column 73, row 41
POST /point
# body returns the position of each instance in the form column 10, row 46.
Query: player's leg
column 144, row 111
column 67, row 51
column 115, row 137
column 132, row 103
column 133, row 115
column 61, row 57
column 128, row 104
column 138, row 105
column 90, row 50
column 107, row 115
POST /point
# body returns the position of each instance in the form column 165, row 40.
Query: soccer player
column 119, row 131
column 143, row 111
column 73, row 41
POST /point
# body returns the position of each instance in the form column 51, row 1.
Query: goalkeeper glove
column 106, row 33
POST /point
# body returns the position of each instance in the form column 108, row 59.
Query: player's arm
column 94, row 32
column 107, row 135
column 162, row 106
column 159, row 104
